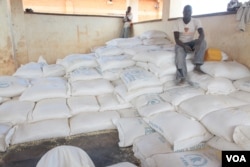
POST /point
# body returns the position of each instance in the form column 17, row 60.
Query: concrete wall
column 28, row 36
column 7, row 63
column 54, row 37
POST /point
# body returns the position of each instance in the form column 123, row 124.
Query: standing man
column 127, row 22
column 184, row 33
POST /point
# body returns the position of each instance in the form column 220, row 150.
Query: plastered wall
column 56, row 36
column 7, row 63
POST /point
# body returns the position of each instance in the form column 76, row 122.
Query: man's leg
column 122, row 33
column 180, row 62
column 199, row 56
column 126, row 32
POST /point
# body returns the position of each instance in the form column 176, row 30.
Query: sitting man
column 184, row 33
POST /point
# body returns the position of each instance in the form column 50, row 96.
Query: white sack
column 148, row 145
column 150, row 104
column 167, row 78
column 143, row 65
column 156, row 41
column 223, row 122
column 135, row 78
column 241, row 95
column 65, row 156
column 11, row 86
column 46, row 129
column 153, row 34
column 15, row 112
column 131, row 128
column 113, row 62
column 129, row 112
column 199, row 106
column 92, row 121
column 170, row 69
column 78, row 104
column 110, row 102
column 6, row 133
column 54, row 108
column 222, row 144
column 177, row 95
column 227, row 69
column 74, row 61
column 91, row 87
column 30, row 70
column 43, row 88
column 133, row 51
column 126, row 95
column 180, row 131
column 142, row 56
column 200, row 79
column 219, row 85
column 172, row 85
column 108, row 51
column 111, row 74
column 164, row 58
column 53, row 70
column 205, row 158
column 124, row 42
column 241, row 136
column 243, row 84
column 83, row 73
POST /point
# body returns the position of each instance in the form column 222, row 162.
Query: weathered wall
column 56, row 36
column 7, row 65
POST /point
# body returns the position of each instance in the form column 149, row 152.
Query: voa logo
column 236, row 158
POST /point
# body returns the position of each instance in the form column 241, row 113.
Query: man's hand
column 188, row 49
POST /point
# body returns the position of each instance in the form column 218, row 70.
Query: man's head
column 187, row 11
column 129, row 8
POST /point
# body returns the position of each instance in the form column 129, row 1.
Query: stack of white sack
column 40, row 130
column 155, row 37
column 199, row 106
column 148, row 145
column 74, row 61
column 39, row 107
column 162, row 64
column 46, row 87
column 186, row 134
column 111, row 60
column 30, row 70
column 235, row 130
column 221, row 77
column 86, row 122
column 179, row 94
column 137, row 81
column 131, row 81
column 128, row 136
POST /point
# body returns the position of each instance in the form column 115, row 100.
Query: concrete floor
column 102, row 148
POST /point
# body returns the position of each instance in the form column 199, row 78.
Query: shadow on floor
column 102, row 148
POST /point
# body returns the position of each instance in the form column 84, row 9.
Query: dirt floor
column 102, row 148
